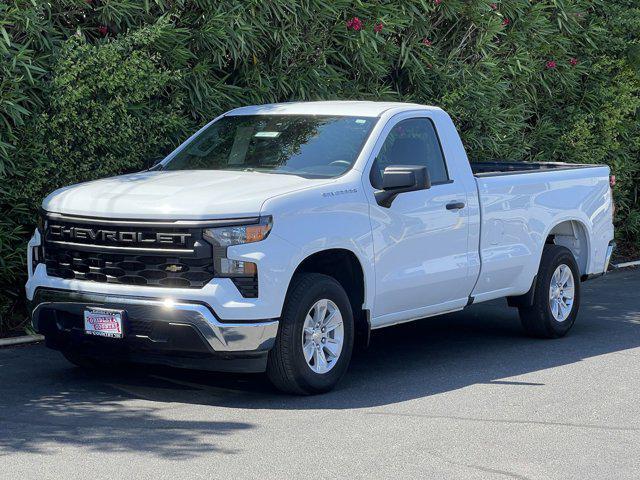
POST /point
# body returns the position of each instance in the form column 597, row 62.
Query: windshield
column 305, row 145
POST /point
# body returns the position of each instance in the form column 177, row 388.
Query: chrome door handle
column 455, row 205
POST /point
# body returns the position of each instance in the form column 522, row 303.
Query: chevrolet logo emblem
column 173, row 268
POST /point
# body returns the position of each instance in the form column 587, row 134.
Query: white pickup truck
column 279, row 235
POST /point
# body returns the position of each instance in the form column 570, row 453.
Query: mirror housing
column 401, row 179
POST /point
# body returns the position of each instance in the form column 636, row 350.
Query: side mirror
column 401, row 179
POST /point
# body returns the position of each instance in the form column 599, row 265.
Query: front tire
column 557, row 295
column 315, row 339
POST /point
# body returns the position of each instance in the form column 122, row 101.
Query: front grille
column 145, row 270
column 144, row 255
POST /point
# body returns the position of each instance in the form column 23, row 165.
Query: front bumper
column 220, row 295
column 152, row 325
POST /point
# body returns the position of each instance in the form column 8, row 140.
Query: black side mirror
column 401, row 179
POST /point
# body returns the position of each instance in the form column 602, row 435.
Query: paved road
column 461, row 396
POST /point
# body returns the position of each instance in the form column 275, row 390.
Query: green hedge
column 90, row 88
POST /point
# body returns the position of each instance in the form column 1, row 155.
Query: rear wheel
column 557, row 295
column 315, row 339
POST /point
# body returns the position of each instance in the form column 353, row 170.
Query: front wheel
column 315, row 339
column 557, row 295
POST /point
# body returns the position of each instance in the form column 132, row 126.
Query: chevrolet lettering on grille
column 62, row 233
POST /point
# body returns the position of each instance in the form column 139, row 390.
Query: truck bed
column 519, row 212
column 488, row 169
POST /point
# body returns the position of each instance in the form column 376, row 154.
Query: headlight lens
column 239, row 234
column 223, row 237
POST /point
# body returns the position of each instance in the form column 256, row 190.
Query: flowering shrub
column 95, row 88
column 355, row 24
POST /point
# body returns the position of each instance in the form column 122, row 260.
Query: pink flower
column 378, row 27
column 103, row 30
column 437, row 2
column 355, row 24
column 494, row 6
column 506, row 22
column 427, row 42
column 573, row 62
column 551, row 64
column 612, row 181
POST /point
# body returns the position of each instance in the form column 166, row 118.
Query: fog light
column 231, row 267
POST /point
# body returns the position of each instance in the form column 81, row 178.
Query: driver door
column 420, row 240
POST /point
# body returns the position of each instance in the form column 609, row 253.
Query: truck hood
column 176, row 195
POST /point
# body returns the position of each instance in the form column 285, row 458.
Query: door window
column 414, row 142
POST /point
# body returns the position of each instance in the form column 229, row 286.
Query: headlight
column 239, row 234
column 223, row 237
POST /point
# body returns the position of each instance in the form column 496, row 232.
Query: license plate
column 103, row 322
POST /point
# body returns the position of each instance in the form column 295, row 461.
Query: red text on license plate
column 103, row 323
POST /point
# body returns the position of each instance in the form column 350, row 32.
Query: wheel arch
column 575, row 235
column 347, row 269
column 571, row 233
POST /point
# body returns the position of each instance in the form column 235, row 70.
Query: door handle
column 455, row 205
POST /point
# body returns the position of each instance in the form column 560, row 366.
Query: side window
column 414, row 142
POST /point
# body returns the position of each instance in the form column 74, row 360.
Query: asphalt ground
column 465, row 395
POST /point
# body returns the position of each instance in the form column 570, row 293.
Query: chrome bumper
column 220, row 336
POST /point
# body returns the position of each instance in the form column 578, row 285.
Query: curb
column 627, row 264
column 5, row 342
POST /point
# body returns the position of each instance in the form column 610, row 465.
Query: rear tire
column 557, row 295
column 315, row 339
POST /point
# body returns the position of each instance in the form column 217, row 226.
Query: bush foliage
column 91, row 88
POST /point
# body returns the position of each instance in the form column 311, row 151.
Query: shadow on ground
column 44, row 400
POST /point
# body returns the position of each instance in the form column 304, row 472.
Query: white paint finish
column 340, row 107
column 421, row 252
column 325, row 217
column 421, row 248
column 184, row 195
column 418, row 259
column 572, row 235
column 519, row 212
column 34, row 242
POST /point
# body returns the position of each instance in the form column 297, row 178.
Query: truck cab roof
column 339, row 107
